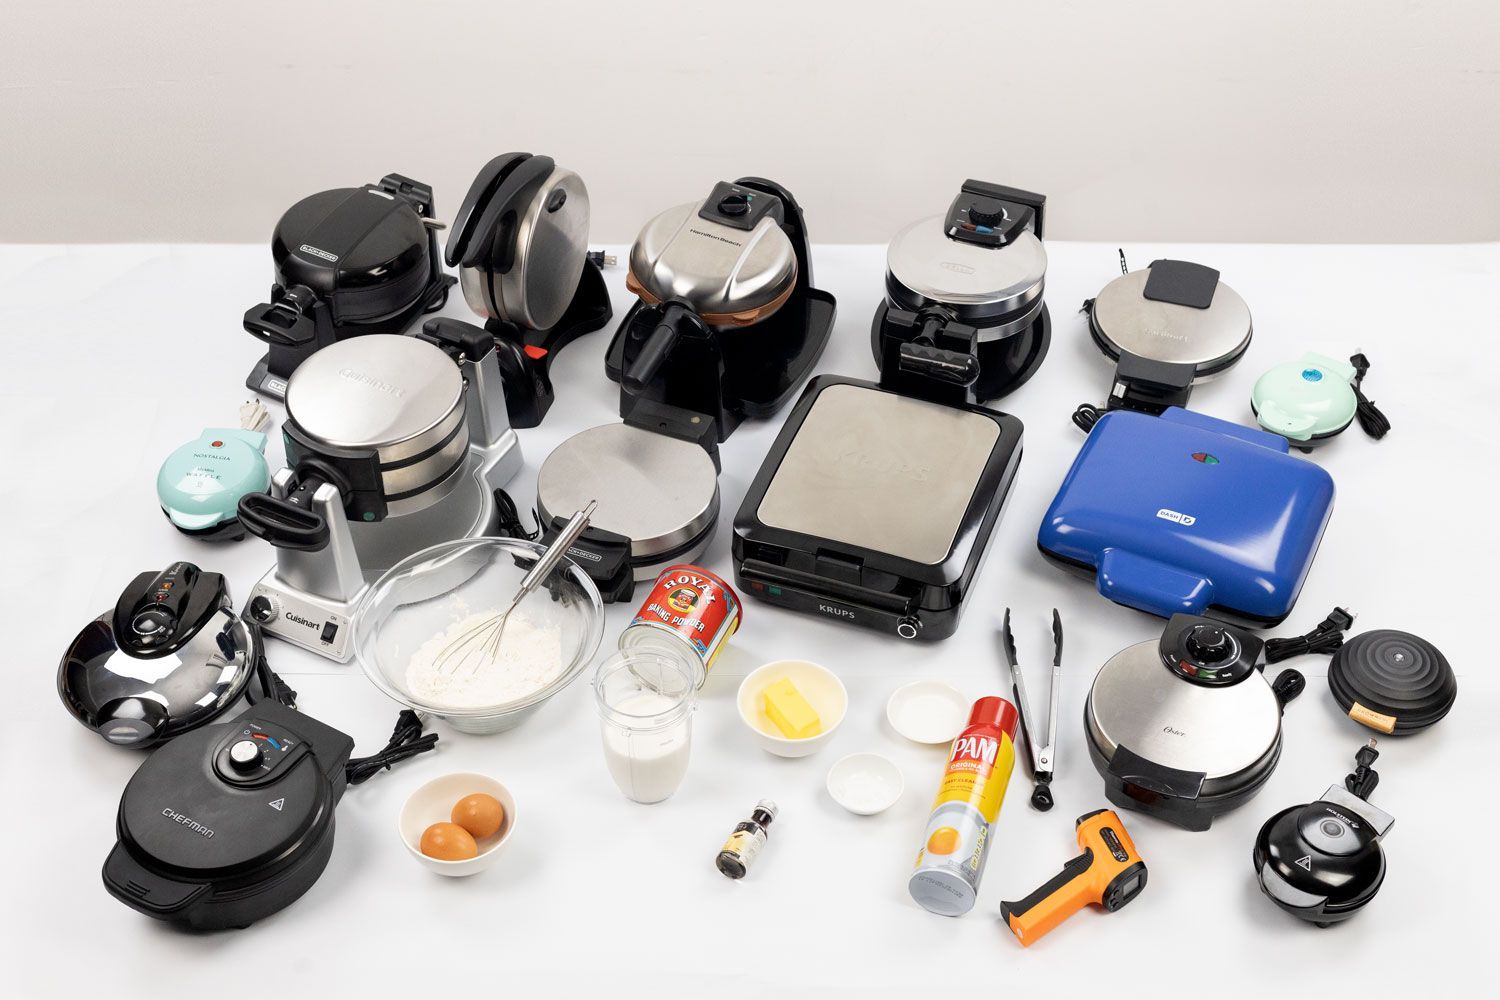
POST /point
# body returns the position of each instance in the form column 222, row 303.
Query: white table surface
column 114, row 355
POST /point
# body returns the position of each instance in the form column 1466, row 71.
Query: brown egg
column 480, row 814
column 448, row 842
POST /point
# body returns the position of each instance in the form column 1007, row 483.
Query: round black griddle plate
column 1392, row 681
column 1123, row 320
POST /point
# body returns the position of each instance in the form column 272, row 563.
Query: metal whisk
column 480, row 645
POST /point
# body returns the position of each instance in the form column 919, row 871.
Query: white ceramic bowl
column 819, row 685
column 928, row 711
column 865, row 783
column 434, row 802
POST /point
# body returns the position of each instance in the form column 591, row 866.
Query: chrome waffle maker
column 393, row 444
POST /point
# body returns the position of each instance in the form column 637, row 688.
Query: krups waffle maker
column 1166, row 328
column 348, row 261
column 393, row 444
column 728, row 324
column 1186, row 727
column 963, row 307
column 520, row 243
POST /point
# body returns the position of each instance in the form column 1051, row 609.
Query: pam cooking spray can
column 957, row 839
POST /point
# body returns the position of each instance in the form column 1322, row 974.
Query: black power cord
column 1086, row 416
column 1364, row 778
column 406, row 741
column 1327, row 637
column 1375, row 423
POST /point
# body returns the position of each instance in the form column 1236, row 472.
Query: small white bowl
column 434, row 802
column 928, row 711
column 819, row 685
column 865, row 783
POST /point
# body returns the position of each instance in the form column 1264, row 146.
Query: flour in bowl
column 443, row 673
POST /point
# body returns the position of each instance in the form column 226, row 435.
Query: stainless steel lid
column 1140, row 703
column 1123, row 319
column 924, row 266
column 729, row 276
column 881, row 471
column 551, row 241
column 660, row 492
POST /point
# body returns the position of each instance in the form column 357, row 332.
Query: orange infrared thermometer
column 1109, row 873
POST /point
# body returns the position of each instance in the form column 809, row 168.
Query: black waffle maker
column 875, row 505
column 348, row 261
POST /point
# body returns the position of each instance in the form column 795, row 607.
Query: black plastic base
column 1004, row 365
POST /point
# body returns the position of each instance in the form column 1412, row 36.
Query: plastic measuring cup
column 645, row 701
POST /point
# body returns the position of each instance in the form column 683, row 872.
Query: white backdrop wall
column 1272, row 120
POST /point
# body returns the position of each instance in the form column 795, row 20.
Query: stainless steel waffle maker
column 963, row 306
column 393, row 444
column 727, row 326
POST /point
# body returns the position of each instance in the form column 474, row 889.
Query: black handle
column 284, row 523
column 957, row 367
column 643, row 370
column 1041, row 795
column 287, row 321
column 1288, row 685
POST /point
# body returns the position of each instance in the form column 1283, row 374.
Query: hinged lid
column 1161, row 326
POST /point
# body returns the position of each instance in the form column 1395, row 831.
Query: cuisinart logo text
column 372, row 382
column 301, row 621
column 318, row 253
column 1186, row 520
column 191, row 824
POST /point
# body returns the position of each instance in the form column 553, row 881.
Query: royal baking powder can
column 690, row 613
column 957, row 839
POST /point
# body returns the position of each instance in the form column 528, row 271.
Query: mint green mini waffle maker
column 1306, row 401
column 200, row 484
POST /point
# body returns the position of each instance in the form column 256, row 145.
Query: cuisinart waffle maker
column 348, row 261
column 963, row 303
column 393, row 444
column 1186, row 727
column 875, row 507
column 727, row 326
column 1185, row 513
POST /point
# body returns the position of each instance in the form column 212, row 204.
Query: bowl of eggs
column 456, row 825
column 792, row 707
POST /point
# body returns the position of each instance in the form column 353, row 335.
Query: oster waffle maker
column 875, row 507
column 1186, row 514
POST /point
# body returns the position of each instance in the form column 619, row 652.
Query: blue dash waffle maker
column 1186, row 514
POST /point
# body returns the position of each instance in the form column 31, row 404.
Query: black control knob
column 262, row 610
column 734, row 205
column 1208, row 644
column 986, row 212
column 245, row 755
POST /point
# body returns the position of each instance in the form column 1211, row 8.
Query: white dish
column 819, row 685
column 434, row 802
column 865, row 783
column 928, row 711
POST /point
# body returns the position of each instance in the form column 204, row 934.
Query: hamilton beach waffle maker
column 727, row 325
column 393, row 444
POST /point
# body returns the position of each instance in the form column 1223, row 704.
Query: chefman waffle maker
column 727, row 326
column 963, row 305
column 393, row 444
column 1166, row 328
column 520, row 243
column 876, row 503
column 1186, row 513
column 348, row 261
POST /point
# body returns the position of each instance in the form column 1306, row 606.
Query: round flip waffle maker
column 1166, row 327
column 963, row 299
column 1393, row 682
column 726, row 327
column 1186, row 727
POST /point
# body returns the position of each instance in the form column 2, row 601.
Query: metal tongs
column 1042, row 754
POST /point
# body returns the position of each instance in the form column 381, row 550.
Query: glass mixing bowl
column 425, row 595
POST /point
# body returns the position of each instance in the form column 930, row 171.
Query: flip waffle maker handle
column 284, row 524
column 135, row 886
column 286, row 322
column 1148, row 585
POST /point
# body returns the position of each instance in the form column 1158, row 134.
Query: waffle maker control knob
column 907, row 628
column 261, row 609
column 245, row 755
column 984, row 212
column 1208, row 644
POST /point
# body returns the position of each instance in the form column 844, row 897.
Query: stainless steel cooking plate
column 401, row 397
column 660, row 492
column 980, row 285
column 728, row 276
column 551, row 241
column 1221, row 731
column 1212, row 339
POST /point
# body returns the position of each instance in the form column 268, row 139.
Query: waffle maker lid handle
column 1148, row 584
column 157, row 895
